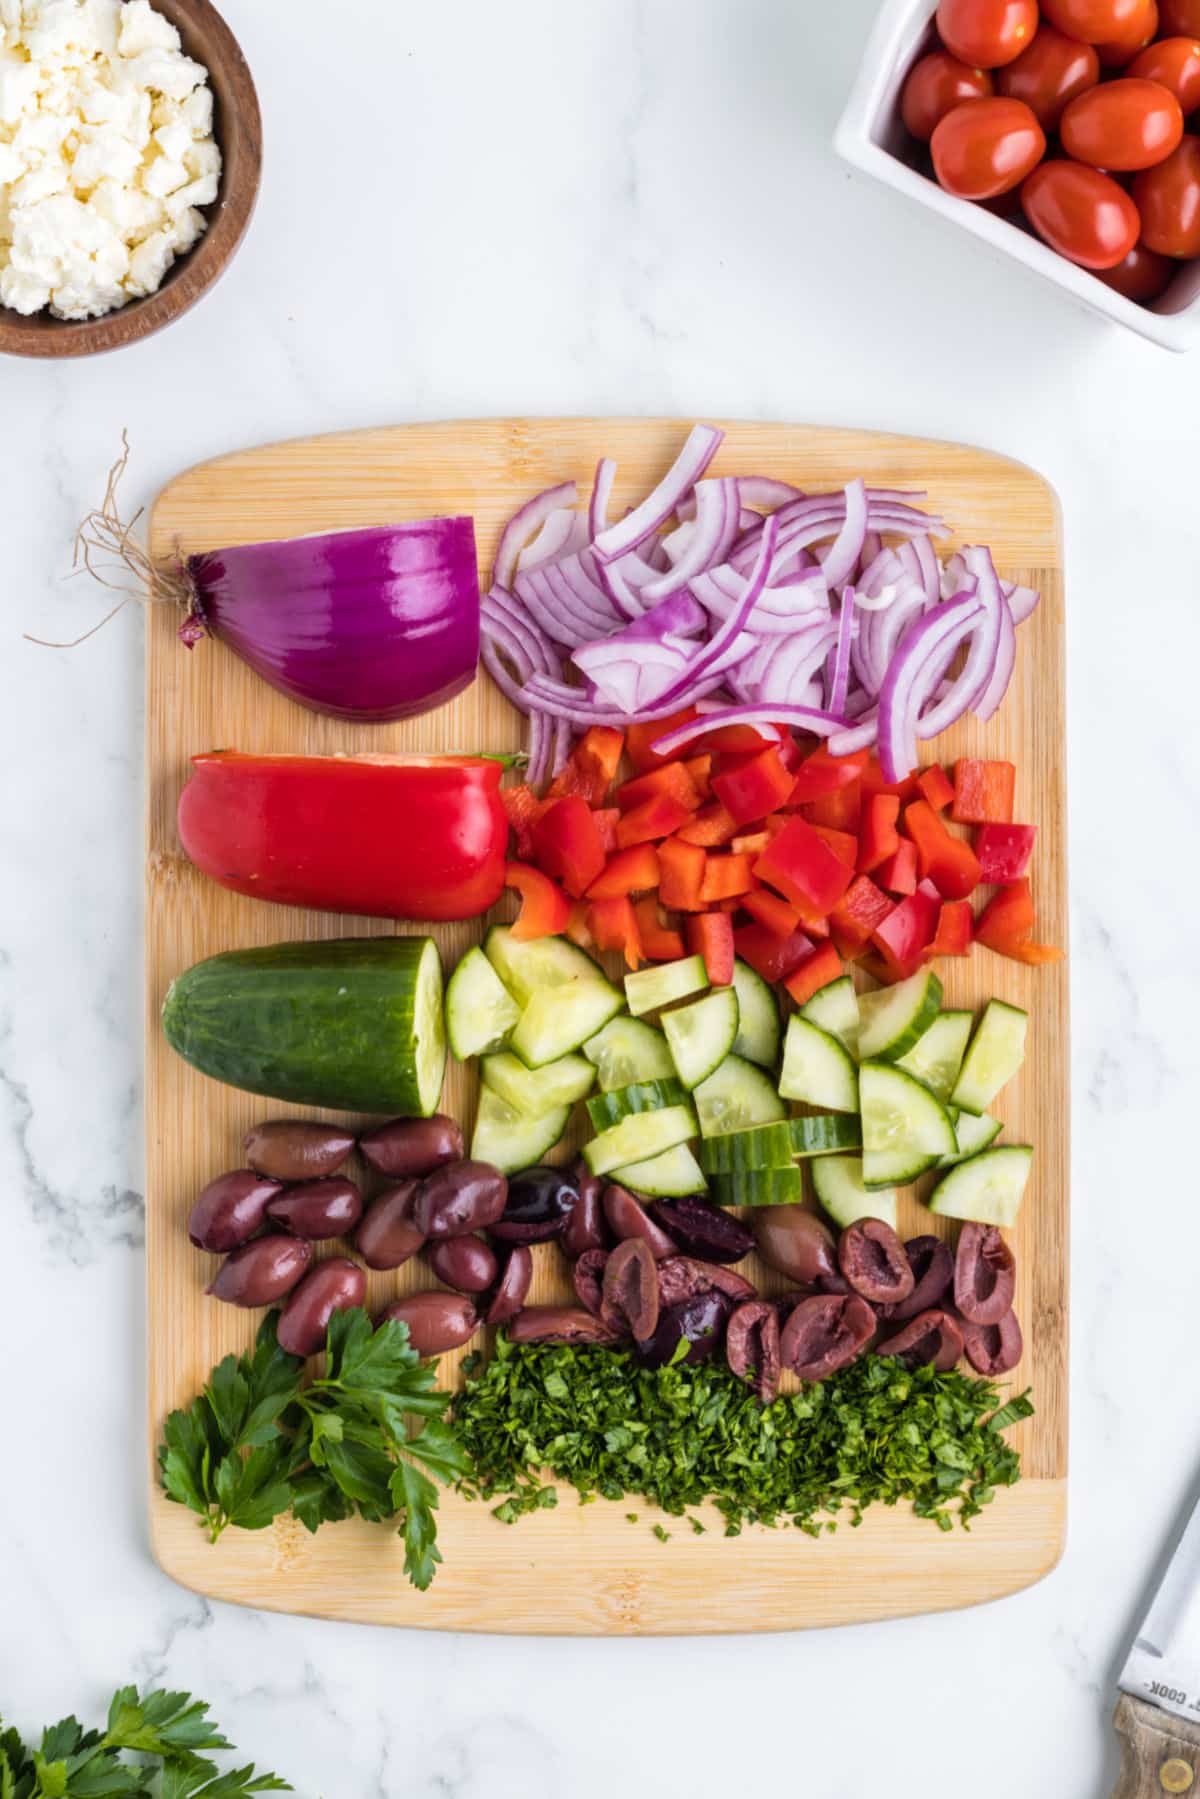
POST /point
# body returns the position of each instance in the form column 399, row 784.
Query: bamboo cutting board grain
column 582, row 1570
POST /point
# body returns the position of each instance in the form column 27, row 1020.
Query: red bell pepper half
column 634, row 870
column 878, row 838
column 800, row 864
column 381, row 836
column 936, row 787
column 859, row 913
column 567, row 846
column 614, row 925
column 774, row 958
column 906, row 932
column 955, row 931
column 591, row 768
column 1004, row 851
column 1006, row 926
column 983, row 792
column 948, row 861
column 710, row 934
column 659, row 943
column 545, row 908
column 759, row 786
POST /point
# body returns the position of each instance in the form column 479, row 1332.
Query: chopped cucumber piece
column 838, row 1184
column 627, row 1050
column 974, row 1135
column 766, row 1146
column 817, row 1068
column 559, row 1019
column 701, row 1035
column 906, row 1129
column 896, row 1018
column 525, row 968
column 508, row 1139
column 638, row 1138
column 937, row 1057
column 537, row 1091
column 758, row 1187
column 735, row 1098
column 758, row 1017
column 829, row 1134
column 480, row 1011
column 651, row 988
column 672, row 1175
column 996, row 1053
column 645, row 1096
column 987, row 1189
column 835, row 1009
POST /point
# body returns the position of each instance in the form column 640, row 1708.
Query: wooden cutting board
column 579, row 1569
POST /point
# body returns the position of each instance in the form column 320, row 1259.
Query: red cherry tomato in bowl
column 1180, row 18
column 1053, row 71
column 986, row 34
column 986, row 147
column 1123, row 124
column 935, row 86
column 1081, row 213
column 1096, row 21
column 1175, row 62
column 1142, row 276
column 1168, row 198
column 1118, row 53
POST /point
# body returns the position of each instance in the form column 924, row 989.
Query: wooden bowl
column 238, row 130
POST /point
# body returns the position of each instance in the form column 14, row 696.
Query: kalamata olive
column 699, row 1322
column 465, row 1197
column 826, row 1334
column 834, row 1283
column 585, row 1227
column 630, row 1289
column 588, row 1278
column 332, row 1286
column 388, row 1235
column 985, row 1275
column 318, row 1209
column 512, row 1289
column 795, row 1243
column 293, row 1149
column 932, row 1336
column 230, row 1210
column 436, row 1321
column 933, row 1272
column 993, row 1348
column 558, row 1324
column 752, row 1346
column 540, row 1200
column 871, row 1257
column 682, row 1277
column 627, row 1217
column 465, row 1263
column 410, row 1147
column 703, row 1230
column 262, row 1272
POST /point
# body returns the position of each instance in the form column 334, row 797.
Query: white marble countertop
column 625, row 207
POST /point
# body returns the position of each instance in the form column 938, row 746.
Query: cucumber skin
column 317, row 1024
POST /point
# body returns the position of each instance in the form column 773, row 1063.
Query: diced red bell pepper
column 737, row 740
column 840, row 811
column 758, row 787
column 577, row 926
column 801, row 865
column 878, row 838
column 680, row 874
column 639, row 739
column 843, row 845
column 653, row 819
column 725, row 877
column 659, row 942
column 711, row 827
column 614, row 926
column 671, row 781
column 873, row 782
column 700, row 769
column 607, row 821
column 815, row 972
column 899, row 873
column 1006, row 926
column 936, row 787
column 779, row 917
column 983, row 792
column 860, row 912
column 752, row 845
column 523, row 808
column 545, row 908
column 821, row 774
column 955, row 931
column 710, row 934
column 948, row 861
column 591, row 768
column 774, row 958
column 905, row 934
column 634, row 870
column 567, row 846
column 1004, row 851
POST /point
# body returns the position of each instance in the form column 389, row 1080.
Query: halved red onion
column 617, row 540
column 524, row 526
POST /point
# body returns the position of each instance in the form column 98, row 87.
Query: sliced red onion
column 1002, row 667
column 812, row 520
column 1021, row 601
column 733, row 626
column 568, row 702
column 924, row 642
column 714, row 532
column 978, row 668
column 524, row 525
column 715, row 717
column 842, row 559
column 839, row 668
column 564, row 533
column 858, row 737
column 765, row 493
column 930, row 572
column 617, row 540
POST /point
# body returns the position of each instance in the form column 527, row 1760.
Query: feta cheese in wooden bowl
column 130, row 158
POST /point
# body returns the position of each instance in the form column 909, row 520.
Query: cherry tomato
column 1180, row 18
column 1175, row 62
column 986, row 34
column 935, row 86
column 986, row 147
column 1168, row 198
column 1081, row 213
column 1053, row 71
column 1119, row 52
column 1143, row 275
column 1095, row 21
column 1123, row 125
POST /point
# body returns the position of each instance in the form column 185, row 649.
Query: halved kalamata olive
column 630, row 1289
column 262, row 1272
column 459, row 1199
column 293, row 1149
column 436, row 1321
column 586, row 1227
column 752, row 1346
column 627, row 1217
column 512, row 1289
column 333, row 1286
column 699, row 1322
column 994, row 1348
column 933, row 1273
column 387, row 1236
column 230, row 1210
column 825, row 1335
column 834, row 1283
column 795, row 1243
column 588, row 1278
column 408, row 1148
column 318, row 1209
column 703, row 1230
column 540, row 1200
column 932, row 1336
column 872, row 1258
column 682, row 1277
column 558, row 1324
column 464, row 1263
column 985, row 1275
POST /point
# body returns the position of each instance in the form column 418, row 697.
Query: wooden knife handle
column 1159, row 1753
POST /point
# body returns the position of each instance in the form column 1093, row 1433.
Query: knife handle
column 1159, row 1753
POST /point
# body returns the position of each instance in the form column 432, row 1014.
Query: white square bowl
column 872, row 137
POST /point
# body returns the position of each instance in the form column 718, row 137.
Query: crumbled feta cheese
column 18, row 87
column 144, row 29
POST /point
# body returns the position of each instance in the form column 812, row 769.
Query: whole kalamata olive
column 540, row 1200
column 230, row 1210
column 699, row 1322
column 994, row 1348
column 332, row 1286
column 292, row 1149
column 586, row 1227
column 459, row 1199
column 464, row 1263
column 825, row 1334
column 834, row 1283
column 682, row 1277
column 262, row 1272
column 436, row 1322
column 407, row 1148
column 387, row 1236
column 933, row 1272
column 512, row 1289
column 752, row 1346
column 932, row 1336
column 588, row 1278
column 627, row 1217
column 871, row 1257
column 558, row 1324
column 630, row 1289
column 703, row 1230
column 318, row 1209
column 985, row 1275
column 795, row 1243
